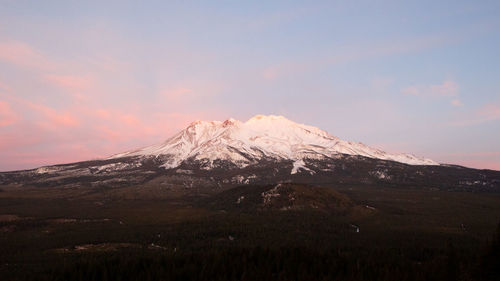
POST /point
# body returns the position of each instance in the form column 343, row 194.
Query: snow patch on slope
column 299, row 164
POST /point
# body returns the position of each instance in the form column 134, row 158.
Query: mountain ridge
column 212, row 156
column 245, row 143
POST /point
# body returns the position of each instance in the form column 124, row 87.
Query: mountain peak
column 261, row 137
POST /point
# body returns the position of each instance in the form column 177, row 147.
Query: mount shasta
column 271, row 137
column 214, row 155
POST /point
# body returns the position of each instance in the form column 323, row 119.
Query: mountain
column 261, row 137
column 265, row 199
column 214, row 156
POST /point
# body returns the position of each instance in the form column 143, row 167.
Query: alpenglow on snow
column 261, row 137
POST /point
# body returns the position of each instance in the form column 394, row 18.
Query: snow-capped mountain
column 209, row 157
column 261, row 137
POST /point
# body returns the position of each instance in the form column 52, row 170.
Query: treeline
column 277, row 264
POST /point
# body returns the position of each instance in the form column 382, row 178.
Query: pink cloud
column 130, row 120
column 69, row 82
column 447, row 89
column 99, row 117
column 22, row 54
column 7, row 115
column 11, row 142
column 53, row 118
column 64, row 154
column 270, row 73
column 118, row 126
column 47, row 116
column 456, row 102
column 109, row 134
column 102, row 113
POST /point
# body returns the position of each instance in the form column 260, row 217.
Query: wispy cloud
column 68, row 82
column 80, row 132
column 52, row 118
column 359, row 52
column 456, row 102
column 489, row 112
column 23, row 55
column 7, row 115
column 447, row 89
column 75, row 110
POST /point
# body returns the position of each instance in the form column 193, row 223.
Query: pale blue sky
column 86, row 79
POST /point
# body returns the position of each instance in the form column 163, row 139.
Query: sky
column 82, row 80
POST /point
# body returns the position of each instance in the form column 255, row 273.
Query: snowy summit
column 261, row 137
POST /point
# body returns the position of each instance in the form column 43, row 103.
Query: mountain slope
column 261, row 137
